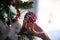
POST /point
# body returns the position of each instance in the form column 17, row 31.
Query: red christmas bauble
column 30, row 17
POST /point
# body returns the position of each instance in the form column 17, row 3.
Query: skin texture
column 34, row 28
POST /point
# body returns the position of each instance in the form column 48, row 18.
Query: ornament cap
column 30, row 17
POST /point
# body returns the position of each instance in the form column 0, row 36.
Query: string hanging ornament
column 17, row 10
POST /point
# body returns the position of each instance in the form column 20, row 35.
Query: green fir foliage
column 5, row 6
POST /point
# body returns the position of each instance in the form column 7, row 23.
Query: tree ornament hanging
column 29, row 20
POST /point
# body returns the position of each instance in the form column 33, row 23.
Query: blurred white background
column 49, row 17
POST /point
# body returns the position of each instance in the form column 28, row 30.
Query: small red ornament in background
column 30, row 17
column 17, row 9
